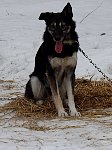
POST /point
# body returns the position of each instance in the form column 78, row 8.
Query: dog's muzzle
column 58, row 35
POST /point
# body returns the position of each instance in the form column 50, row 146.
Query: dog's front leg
column 56, row 97
column 71, row 103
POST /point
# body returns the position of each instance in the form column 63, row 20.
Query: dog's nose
column 57, row 38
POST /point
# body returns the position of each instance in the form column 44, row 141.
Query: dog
column 55, row 62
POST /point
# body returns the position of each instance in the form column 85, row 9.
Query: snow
column 20, row 36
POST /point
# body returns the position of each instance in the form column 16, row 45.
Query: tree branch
column 92, row 12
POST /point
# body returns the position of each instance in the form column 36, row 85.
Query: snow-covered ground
column 20, row 36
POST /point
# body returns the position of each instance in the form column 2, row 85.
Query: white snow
column 20, row 37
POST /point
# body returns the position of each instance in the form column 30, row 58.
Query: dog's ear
column 67, row 11
column 45, row 16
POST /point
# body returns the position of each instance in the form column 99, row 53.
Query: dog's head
column 59, row 25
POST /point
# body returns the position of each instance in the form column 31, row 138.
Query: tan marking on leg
column 71, row 103
column 57, row 99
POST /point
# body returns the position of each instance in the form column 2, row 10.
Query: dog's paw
column 75, row 114
column 62, row 113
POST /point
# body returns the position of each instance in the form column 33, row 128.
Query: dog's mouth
column 58, row 46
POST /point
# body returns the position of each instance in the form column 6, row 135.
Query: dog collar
column 70, row 42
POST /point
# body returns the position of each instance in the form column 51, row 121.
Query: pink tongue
column 58, row 46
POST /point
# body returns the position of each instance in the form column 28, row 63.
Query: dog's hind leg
column 35, row 90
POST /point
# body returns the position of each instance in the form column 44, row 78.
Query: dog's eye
column 62, row 25
column 53, row 26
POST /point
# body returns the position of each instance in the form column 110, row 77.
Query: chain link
column 90, row 60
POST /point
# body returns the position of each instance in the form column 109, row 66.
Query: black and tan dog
column 55, row 62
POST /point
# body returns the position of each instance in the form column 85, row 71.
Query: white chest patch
column 64, row 62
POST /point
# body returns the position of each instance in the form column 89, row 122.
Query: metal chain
column 90, row 60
